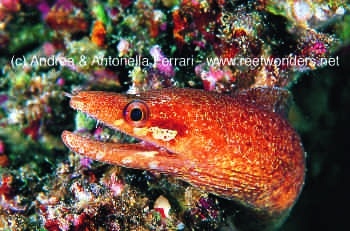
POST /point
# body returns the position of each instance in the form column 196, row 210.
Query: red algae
column 65, row 20
column 98, row 34
column 33, row 129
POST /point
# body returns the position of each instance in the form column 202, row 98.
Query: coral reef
column 51, row 49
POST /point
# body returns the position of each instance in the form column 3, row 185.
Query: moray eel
column 227, row 146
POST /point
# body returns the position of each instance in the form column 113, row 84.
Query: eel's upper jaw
column 144, row 155
column 137, row 155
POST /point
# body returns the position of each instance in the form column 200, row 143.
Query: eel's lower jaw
column 139, row 155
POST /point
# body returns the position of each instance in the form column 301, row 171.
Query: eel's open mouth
column 115, row 111
column 123, row 154
column 81, row 144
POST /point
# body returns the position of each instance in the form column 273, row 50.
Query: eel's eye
column 136, row 113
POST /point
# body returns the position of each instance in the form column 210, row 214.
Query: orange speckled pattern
column 223, row 145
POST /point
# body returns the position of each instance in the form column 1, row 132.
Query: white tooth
column 127, row 160
column 100, row 155
column 67, row 94
column 153, row 164
column 98, row 123
column 148, row 154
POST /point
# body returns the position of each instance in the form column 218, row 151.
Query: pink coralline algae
column 4, row 161
column 10, row 5
column 215, row 78
column 91, row 205
column 123, row 47
column 160, row 62
column 2, row 147
column 317, row 48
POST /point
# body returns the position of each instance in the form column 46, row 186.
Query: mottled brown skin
column 223, row 145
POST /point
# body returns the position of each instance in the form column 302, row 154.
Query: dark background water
column 323, row 97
